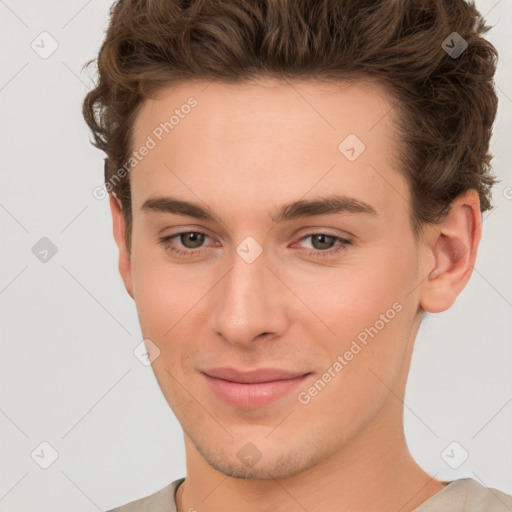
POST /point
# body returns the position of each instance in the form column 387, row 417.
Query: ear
column 118, row 224
column 452, row 246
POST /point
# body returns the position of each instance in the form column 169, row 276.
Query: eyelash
column 165, row 242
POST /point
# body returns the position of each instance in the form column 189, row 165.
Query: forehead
column 265, row 108
column 263, row 140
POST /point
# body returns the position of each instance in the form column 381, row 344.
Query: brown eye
column 322, row 242
column 186, row 244
column 324, row 245
column 192, row 239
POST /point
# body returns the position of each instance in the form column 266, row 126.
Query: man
column 292, row 186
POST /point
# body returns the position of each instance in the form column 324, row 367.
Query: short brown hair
column 447, row 102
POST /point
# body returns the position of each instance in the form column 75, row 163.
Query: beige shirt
column 464, row 495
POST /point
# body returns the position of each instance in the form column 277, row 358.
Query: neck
column 373, row 472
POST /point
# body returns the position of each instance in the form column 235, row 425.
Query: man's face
column 252, row 291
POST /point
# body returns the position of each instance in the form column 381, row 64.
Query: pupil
column 323, row 243
column 192, row 239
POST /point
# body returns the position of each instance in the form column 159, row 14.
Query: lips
column 253, row 376
column 252, row 389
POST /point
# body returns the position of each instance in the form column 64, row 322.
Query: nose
column 249, row 302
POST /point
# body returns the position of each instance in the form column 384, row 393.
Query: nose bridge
column 249, row 301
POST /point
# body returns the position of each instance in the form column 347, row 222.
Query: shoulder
column 486, row 499
column 160, row 501
column 467, row 495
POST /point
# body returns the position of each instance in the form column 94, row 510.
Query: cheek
column 368, row 309
column 172, row 308
column 165, row 299
column 354, row 295
column 361, row 362
column 163, row 293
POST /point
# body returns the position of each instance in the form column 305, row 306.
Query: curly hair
column 446, row 98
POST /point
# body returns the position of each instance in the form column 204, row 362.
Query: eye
column 190, row 240
column 324, row 244
column 190, row 243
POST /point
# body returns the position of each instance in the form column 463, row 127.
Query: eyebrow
column 326, row 205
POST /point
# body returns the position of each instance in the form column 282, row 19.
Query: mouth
column 254, row 389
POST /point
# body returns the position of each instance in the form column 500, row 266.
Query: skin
column 243, row 151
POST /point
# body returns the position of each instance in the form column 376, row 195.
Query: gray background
column 68, row 327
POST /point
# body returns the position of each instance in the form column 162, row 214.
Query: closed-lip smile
column 254, row 388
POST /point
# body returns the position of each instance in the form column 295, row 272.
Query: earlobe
column 453, row 248
column 118, row 226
